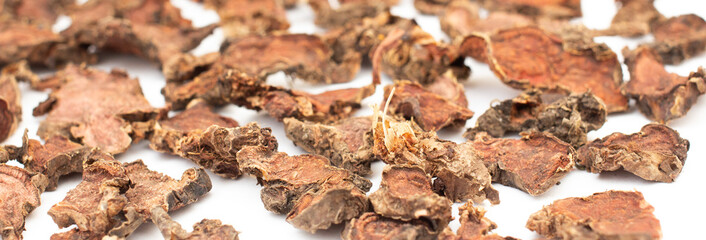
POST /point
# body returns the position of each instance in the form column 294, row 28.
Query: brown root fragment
column 459, row 174
column 428, row 109
column 660, row 95
column 344, row 142
column 474, row 225
column 634, row 18
column 533, row 164
column 461, row 18
column 97, row 109
column 10, row 100
column 58, row 157
column 433, row 7
column 604, row 215
column 561, row 9
column 197, row 117
column 313, row 193
column 573, row 64
column 656, row 153
column 406, row 194
column 349, row 11
column 373, row 226
column 215, row 148
column 242, row 18
column 19, row 194
column 96, row 203
column 568, row 118
column 41, row 13
column 24, row 41
column 206, row 229
column 679, row 38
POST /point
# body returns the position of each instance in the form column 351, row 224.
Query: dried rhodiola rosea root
column 604, row 215
column 431, row 111
column 41, row 13
column 206, row 229
column 406, row 194
column 474, row 225
column 24, row 41
column 344, row 142
column 568, row 118
column 58, row 156
column 97, row 109
column 656, row 153
column 660, row 95
column 410, row 53
column 153, row 29
column 243, row 90
column 458, row 174
column 533, row 164
column 313, row 193
column 461, row 18
column 19, row 195
column 371, row 226
column 558, row 9
column 241, row 18
column 215, row 148
column 634, row 18
column 10, row 100
column 679, row 38
column 348, row 11
column 197, row 117
column 550, row 63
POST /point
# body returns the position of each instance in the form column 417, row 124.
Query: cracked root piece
column 371, row 226
column 19, row 195
column 679, row 38
column 604, row 215
column 58, row 157
column 10, row 100
column 207, row 229
column 656, row 153
column 240, row 18
column 474, row 225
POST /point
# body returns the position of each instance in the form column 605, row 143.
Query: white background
column 678, row 205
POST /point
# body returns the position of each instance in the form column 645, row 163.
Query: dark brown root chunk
column 679, row 38
column 197, row 117
column 216, row 147
column 242, row 18
column 19, row 194
column 58, row 157
column 474, row 225
column 207, row 229
column 345, row 142
column 656, row 153
column 97, row 109
column 431, row 111
column 562, row 9
column 348, row 12
column 604, row 215
column 371, row 226
column 568, row 118
column 313, row 193
column 459, row 174
column 406, row 194
column 634, row 18
column 660, row 95
column 575, row 64
column 10, row 100
column 532, row 164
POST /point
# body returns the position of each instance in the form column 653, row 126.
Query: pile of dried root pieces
column 570, row 84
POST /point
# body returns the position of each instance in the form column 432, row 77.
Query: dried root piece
column 532, row 164
column 568, row 118
column 242, row 18
column 461, row 19
column 206, row 229
column 458, row 174
column 660, row 95
column 313, row 193
column 348, row 11
column 577, row 64
column 307, row 57
column 58, row 157
column 412, row 54
column 679, row 38
column 344, row 142
column 634, row 18
column 197, row 117
column 97, row 109
column 24, row 41
column 428, row 109
column 41, row 13
column 19, row 195
column 374, row 226
column 406, row 194
column 96, row 203
column 474, row 225
column 558, row 9
column 604, row 215
column 240, row 89
column 216, row 147
column 10, row 100
column 432, row 7
column 656, row 153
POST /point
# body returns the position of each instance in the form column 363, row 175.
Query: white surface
column 678, row 205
